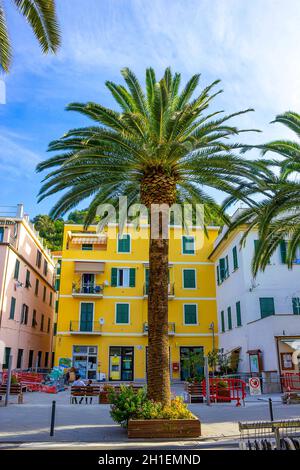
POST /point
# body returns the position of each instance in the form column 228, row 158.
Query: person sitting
column 77, row 383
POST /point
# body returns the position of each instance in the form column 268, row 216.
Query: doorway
column 121, row 363
column 191, row 362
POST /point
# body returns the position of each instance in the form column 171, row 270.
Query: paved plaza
column 90, row 425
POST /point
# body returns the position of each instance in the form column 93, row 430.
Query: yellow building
column 102, row 311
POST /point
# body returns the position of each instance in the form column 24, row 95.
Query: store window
column 121, row 363
column 85, row 361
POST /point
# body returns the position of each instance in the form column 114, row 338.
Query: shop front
column 121, row 363
column 85, row 361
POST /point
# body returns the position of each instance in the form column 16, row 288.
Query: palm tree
column 41, row 16
column 277, row 216
column 161, row 148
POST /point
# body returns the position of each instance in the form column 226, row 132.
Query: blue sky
column 253, row 47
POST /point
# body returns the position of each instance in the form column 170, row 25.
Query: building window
column 27, row 281
column 189, row 278
column 87, row 247
column 235, row 258
column 38, row 258
column 39, row 361
column 48, row 326
column 54, row 329
column 50, row 299
column 122, row 314
column 12, row 308
column 123, row 277
column 7, row 352
column 46, row 359
column 34, row 322
column 56, row 306
column 17, row 269
column 283, row 251
column 229, row 318
column 188, row 245
column 45, row 268
column 267, row 307
column 222, row 321
column 36, row 290
column 20, row 358
column 1, row 234
column 223, row 269
column 296, row 305
column 42, row 322
column 58, row 267
column 44, row 294
column 57, row 284
column 24, row 314
column 30, row 359
column 190, row 314
column 238, row 314
column 124, row 243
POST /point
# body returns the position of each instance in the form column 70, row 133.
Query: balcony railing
column 89, row 290
column 171, row 328
column 171, row 290
column 85, row 327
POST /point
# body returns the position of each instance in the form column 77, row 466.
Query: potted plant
column 144, row 418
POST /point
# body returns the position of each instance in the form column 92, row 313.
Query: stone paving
column 30, row 422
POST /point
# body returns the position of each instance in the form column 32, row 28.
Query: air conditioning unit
column 92, row 350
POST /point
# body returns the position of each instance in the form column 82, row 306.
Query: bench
column 88, row 391
column 194, row 392
column 15, row 389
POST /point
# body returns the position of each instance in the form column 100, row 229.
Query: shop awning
column 94, row 267
column 87, row 238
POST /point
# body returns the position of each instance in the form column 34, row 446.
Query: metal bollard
column 271, row 409
column 52, row 418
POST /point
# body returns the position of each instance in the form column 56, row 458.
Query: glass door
column 88, row 283
column 191, row 362
column 121, row 363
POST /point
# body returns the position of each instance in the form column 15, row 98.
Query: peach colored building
column 27, row 294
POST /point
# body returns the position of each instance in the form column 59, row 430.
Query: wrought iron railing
column 84, row 326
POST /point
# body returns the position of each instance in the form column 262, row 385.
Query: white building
column 259, row 319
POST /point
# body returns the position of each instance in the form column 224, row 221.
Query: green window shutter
column 296, row 305
column 114, row 277
column 229, row 318
column 189, row 278
column 124, row 244
column 57, row 284
column 58, row 267
column 188, row 245
column 122, row 314
column 226, row 267
column 17, row 269
column 238, row 314
column 132, row 277
column 235, row 258
column 12, row 308
column 146, row 281
column 222, row 269
column 218, row 275
column 283, row 250
column 267, row 307
column 222, row 321
column 56, row 306
column 190, row 314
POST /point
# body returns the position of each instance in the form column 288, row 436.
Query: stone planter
column 163, row 428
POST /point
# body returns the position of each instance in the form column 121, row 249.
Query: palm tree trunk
column 158, row 374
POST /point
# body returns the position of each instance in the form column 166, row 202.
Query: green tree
column 41, row 16
column 162, row 147
column 277, row 215
column 50, row 230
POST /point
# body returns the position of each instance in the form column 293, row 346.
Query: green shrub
column 134, row 405
column 126, row 404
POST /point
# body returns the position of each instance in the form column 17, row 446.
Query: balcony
column 171, row 291
column 88, row 290
column 171, row 329
column 85, row 328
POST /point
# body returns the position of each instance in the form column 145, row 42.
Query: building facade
column 259, row 319
column 27, row 293
column 102, row 313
